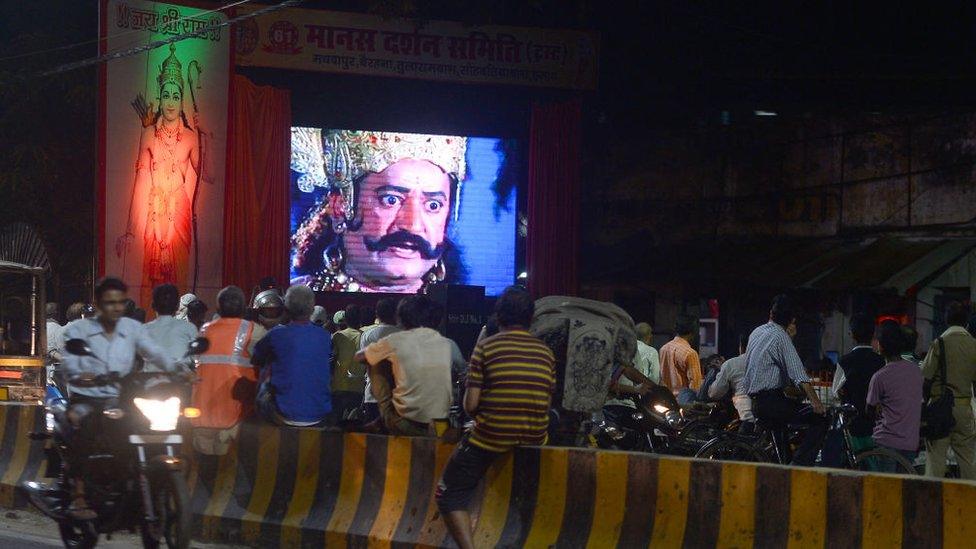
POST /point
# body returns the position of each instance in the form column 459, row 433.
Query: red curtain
column 256, row 195
column 552, row 246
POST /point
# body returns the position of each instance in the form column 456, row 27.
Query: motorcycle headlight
column 162, row 414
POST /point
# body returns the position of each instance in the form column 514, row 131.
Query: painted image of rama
column 383, row 224
column 168, row 168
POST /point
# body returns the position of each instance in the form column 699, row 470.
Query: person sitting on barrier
column 196, row 313
column 115, row 343
column 410, row 372
column 172, row 334
column 320, row 317
column 349, row 375
column 510, row 383
column 225, row 393
column 385, row 325
column 294, row 367
column 894, row 395
column 435, row 314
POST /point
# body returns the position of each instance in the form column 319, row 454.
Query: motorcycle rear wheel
column 77, row 536
column 172, row 506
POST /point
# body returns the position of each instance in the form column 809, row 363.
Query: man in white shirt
column 385, row 325
column 729, row 379
column 410, row 372
column 115, row 343
column 54, row 332
column 171, row 334
column 647, row 359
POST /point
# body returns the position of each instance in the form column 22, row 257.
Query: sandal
column 81, row 512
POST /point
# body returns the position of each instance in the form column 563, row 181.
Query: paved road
column 29, row 530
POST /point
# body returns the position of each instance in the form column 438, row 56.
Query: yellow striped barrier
column 305, row 488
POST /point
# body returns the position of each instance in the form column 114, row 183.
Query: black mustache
column 404, row 239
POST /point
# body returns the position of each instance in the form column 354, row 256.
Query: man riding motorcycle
column 114, row 341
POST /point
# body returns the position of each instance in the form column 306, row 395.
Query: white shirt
column 421, row 364
column 173, row 336
column 649, row 354
column 840, row 377
column 729, row 378
column 55, row 339
column 771, row 360
column 371, row 335
column 115, row 353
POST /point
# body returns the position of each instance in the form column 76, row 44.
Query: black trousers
column 91, row 433
column 461, row 476
column 778, row 411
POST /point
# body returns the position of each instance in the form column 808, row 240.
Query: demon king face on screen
column 383, row 226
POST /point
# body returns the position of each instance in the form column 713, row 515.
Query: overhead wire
column 116, row 36
column 159, row 43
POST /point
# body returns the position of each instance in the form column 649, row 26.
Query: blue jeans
column 268, row 408
column 888, row 465
column 686, row 396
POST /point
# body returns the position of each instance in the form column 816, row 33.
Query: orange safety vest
column 225, row 393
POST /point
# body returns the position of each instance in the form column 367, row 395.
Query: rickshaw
column 23, row 344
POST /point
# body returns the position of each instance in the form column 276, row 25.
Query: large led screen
column 391, row 212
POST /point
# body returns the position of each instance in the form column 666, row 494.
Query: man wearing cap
column 320, row 317
column 182, row 313
column 384, row 226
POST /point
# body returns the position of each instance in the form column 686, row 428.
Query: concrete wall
column 819, row 176
column 834, row 176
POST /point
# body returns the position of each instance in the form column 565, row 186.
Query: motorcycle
column 135, row 479
column 659, row 425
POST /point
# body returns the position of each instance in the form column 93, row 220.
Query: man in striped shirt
column 772, row 364
column 509, row 391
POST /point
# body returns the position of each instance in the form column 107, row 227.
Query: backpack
column 937, row 418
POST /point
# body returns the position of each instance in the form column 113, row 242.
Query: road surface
column 29, row 530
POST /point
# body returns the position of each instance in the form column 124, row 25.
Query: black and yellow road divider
column 304, row 488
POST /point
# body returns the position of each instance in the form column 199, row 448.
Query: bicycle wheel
column 883, row 460
column 731, row 449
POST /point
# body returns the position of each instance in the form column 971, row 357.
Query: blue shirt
column 115, row 353
column 771, row 360
column 295, row 362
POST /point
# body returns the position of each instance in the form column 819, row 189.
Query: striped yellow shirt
column 516, row 373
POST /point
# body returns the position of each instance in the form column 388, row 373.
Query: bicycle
column 767, row 444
